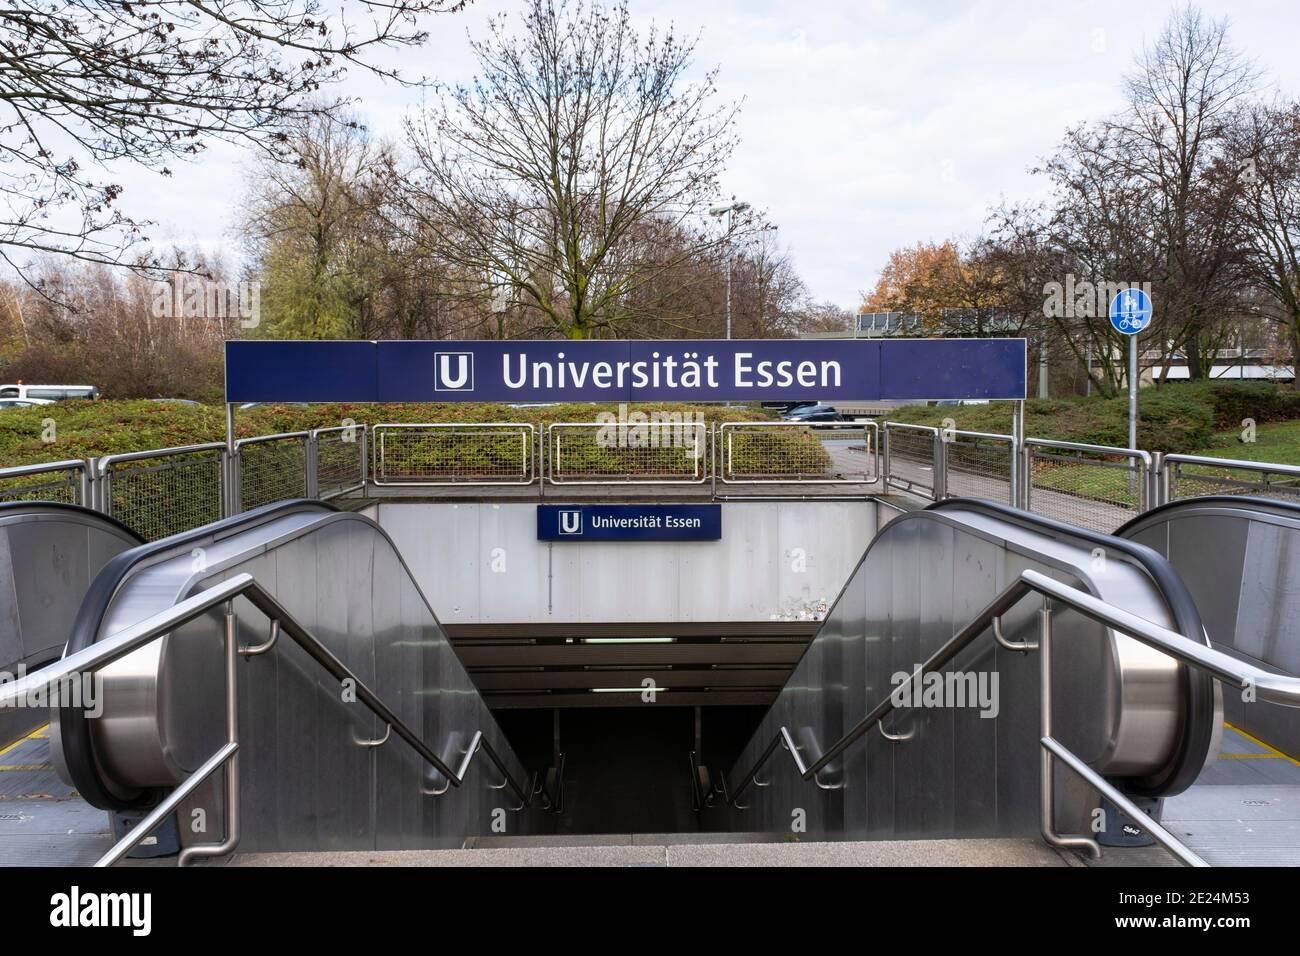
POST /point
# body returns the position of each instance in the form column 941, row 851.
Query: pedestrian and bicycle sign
column 1130, row 311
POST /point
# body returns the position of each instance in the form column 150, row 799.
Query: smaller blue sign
column 629, row 522
column 1130, row 311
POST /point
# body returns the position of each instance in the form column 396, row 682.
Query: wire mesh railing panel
column 627, row 453
column 910, row 464
column 1099, row 489
column 979, row 466
column 794, row 452
column 340, row 460
column 272, row 469
column 58, row 481
column 1187, row 477
column 487, row 454
column 165, row 493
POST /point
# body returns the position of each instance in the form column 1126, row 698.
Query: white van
column 52, row 393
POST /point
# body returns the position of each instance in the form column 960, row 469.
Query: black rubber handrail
column 39, row 506
column 1198, row 728
column 1290, row 508
column 74, row 730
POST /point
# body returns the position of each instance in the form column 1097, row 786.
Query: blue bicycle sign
column 1130, row 311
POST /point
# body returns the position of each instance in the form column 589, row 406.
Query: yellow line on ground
column 1252, row 756
column 23, row 740
column 25, row 766
column 1267, row 746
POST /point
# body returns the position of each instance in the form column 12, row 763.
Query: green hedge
column 1180, row 417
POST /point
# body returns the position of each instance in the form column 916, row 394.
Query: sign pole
column 1132, row 392
column 1132, row 409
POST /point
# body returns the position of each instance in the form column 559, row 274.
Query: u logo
column 453, row 371
column 570, row 522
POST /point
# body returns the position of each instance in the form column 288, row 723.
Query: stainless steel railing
column 627, row 453
column 455, row 453
column 164, row 491
column 1193, row 476
column 795, row 453
column 70, row 482
column 110, row 649
column 1266, row 686
column 920, row 446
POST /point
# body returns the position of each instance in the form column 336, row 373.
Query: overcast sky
column 866, row 124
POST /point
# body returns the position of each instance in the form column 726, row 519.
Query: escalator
column 49, row 554
column 316, row 769
column 1240, row 559
column 968, row 764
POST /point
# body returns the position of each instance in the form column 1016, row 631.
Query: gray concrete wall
column 481, row 563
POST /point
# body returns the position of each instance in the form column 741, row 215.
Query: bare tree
column 1264, row 161
column 578, row 143
column 1181, row 95
column 92, row 82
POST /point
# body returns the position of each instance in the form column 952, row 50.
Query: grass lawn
column 1278, row 443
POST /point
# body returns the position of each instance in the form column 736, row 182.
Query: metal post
column 1018, row 480
column 310, row 465
column 231, row 465
column 1047, row 782
column 232, row 737
column 940, row 465
column 1132, row 408
column 86, row 486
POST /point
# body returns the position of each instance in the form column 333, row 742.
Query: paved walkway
column 544, row 853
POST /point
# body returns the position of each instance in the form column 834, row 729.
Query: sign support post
column 1130, row 313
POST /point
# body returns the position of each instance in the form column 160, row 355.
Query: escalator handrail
column 91, row 658
column 82, row 510
column 1291, row 508
column 1275, row 688
column 1201, row 705
column 74, row 731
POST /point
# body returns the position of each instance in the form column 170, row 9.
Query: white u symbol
column 570, row 522
column 444, row 371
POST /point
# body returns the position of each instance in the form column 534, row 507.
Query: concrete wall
column 481, row 563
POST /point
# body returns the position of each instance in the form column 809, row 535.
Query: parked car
column 783, row 407
column 53, row 393
column 814, row 413
column 24, row 402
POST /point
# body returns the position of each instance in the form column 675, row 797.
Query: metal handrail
column 1165, row 474
column 279, row 436
column 700, row 471
column 107, row 461
column 1267, row 685
column 870, row 434
column 131, row 638
column 83, row 467
column 525, row 431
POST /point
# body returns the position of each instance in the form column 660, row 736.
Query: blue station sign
column 624, row 370
column 629, row 522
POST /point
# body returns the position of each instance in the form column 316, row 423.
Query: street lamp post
column 729, row 210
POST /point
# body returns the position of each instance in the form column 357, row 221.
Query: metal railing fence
column 627, row 453
column 165, row 491
column 68, row 482
column 1192, row 476
column 456, row 453
column 1093, row 486
column 913, row 459
column 818, row 453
